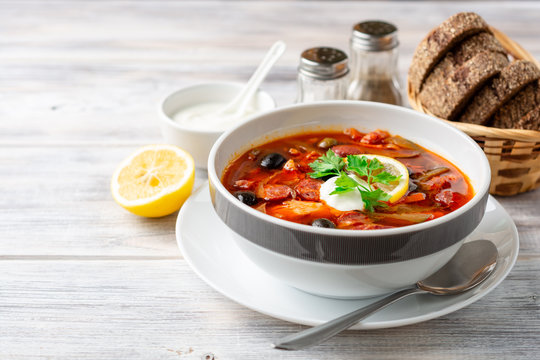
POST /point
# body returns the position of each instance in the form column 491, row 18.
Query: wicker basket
column 514, row 155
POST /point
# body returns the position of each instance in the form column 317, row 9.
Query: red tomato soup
column 347, row 180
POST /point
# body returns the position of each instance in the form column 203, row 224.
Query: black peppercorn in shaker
column 374, row 55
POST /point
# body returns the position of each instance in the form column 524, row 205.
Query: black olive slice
column 324, row 223
column 247, row 197
column 273, row 161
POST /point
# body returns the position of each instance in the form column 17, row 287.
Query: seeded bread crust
column 447, row 94
column 437, row 43
column 495, row 93
column 531, row 121
column 463, row 52
column 524, row 101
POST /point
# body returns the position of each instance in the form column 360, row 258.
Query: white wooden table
column 80, row 278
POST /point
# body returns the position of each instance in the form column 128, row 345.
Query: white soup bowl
column 349, row 263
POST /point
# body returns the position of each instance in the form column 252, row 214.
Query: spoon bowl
column 471, row 265
column 205, row 124
column 198, row 142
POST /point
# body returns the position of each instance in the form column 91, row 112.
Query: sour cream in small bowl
column 184, row 122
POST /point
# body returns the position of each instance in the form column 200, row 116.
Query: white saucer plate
column 208, row 246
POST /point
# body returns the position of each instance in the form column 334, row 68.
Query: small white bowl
column 199, row 142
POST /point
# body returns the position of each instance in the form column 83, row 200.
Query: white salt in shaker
column 322, row 75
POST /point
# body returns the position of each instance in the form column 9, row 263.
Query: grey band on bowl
column 361, row 250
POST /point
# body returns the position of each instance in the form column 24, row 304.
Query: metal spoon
column 471, row 265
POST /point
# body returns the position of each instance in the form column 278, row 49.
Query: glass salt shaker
column 322, row 75
column 374, row 55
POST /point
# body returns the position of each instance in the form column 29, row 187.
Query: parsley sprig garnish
column 327, row 165
column 370, row 170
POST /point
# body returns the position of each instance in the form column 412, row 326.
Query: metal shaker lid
column 323, row 63
column 375, row 35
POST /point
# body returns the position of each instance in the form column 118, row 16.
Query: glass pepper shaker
column 374, row 55
column 322, row 75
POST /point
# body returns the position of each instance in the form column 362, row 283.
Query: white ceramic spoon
column 237, row 107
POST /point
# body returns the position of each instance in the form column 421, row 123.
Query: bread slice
column 463, row 52
column 445, row 95
column 531, row 121
column 437, row 43
column 495, row 93
column 517, row 107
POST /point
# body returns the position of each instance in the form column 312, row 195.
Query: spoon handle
column 241, row 100
column 322, row 332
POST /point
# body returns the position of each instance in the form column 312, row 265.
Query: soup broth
column 347, row 180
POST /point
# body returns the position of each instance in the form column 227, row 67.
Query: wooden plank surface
column 80, row 278
column 100, row 81
column 144, row 309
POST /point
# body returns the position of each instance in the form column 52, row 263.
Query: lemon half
column 398, row 189
column 154, row 181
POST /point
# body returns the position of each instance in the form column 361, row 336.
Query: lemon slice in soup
column 398, row 188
